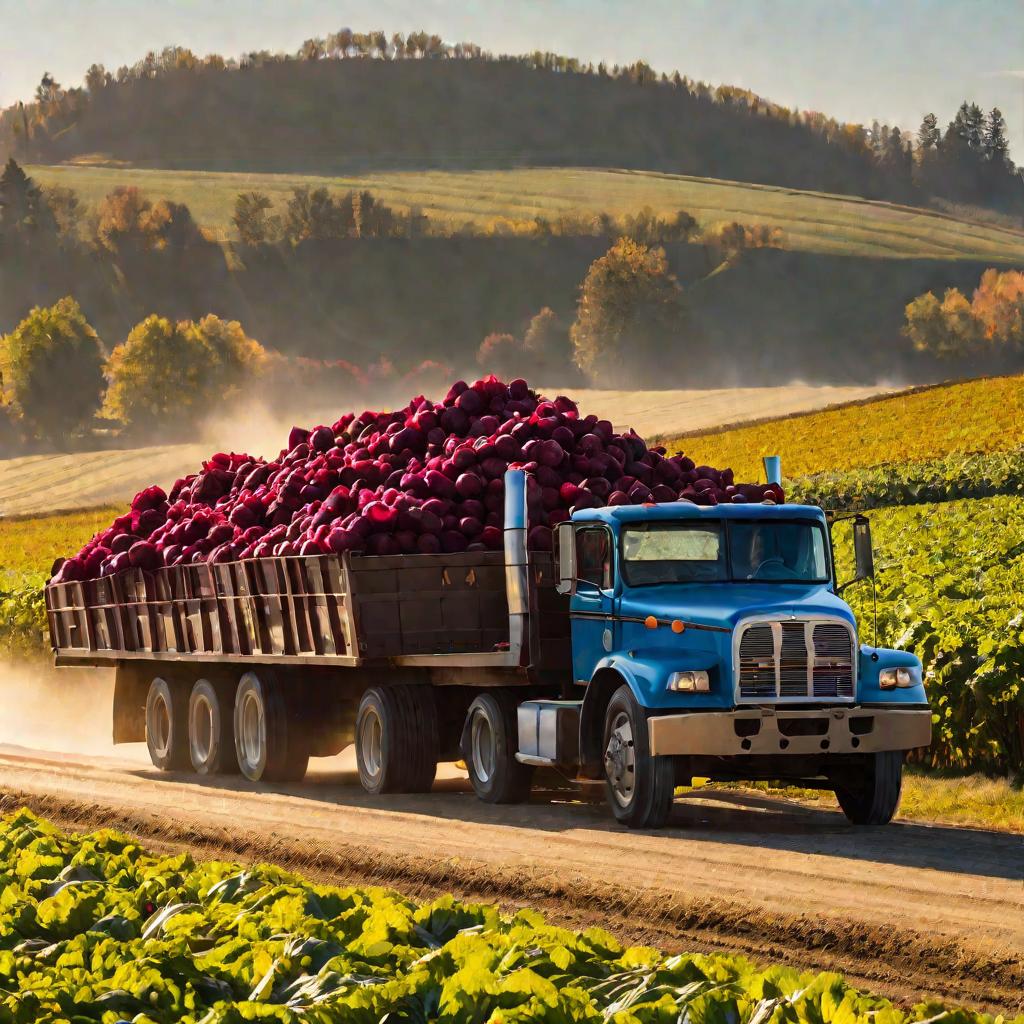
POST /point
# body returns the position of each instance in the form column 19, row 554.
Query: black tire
column 870, row 795
column 269, row 741
column 167, row 725
column 639, row 787
column 424, row 734
column 490, row 742
column 397, row 739
column 211, row 728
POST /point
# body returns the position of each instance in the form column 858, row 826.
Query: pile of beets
column 424, row 479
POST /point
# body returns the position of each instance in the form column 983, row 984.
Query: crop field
column 810, row 221
column 36, row 483
column 984, row 415
column 95, row 928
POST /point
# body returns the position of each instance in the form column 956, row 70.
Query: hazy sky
column 855, row 59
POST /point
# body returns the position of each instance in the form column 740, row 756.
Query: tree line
column 985, row 330
column 292, row 111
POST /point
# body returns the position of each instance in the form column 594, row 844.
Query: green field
column 811, row 221
column 96, row 928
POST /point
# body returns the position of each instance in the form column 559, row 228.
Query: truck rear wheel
column 870, row 794
column 490, row 741
column 167, row 725
column 639, row 786
column 211, row 728
column 397, row 739
column 269, row 743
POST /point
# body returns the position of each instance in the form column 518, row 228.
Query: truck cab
column 713, row 642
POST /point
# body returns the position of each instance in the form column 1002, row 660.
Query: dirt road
column 907, row 910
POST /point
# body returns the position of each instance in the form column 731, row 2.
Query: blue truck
column 651, row 645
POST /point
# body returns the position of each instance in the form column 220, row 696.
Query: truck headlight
column 690, row 682
column 890, row 678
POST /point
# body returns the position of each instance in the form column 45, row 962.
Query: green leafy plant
column 94, row 928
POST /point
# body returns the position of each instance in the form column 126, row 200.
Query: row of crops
column 950, row 583
column 95, row 929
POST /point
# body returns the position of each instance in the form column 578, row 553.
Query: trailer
column 638, row 651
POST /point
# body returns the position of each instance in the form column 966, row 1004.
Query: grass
column 811, row 221
column 30, row 545
column 971, row 800
column 983, row 415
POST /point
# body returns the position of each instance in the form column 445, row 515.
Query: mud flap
column 131, row 685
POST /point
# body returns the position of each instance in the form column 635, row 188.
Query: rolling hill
column 810, row 221
column 353, row 115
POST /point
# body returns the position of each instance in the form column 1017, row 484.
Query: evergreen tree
column 995, row 142
column 929, row 134
column 975, row 123
column 23, row 210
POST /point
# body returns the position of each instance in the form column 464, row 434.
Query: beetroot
column 425, row 479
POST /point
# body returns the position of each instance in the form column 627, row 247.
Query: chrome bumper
column 833, row 730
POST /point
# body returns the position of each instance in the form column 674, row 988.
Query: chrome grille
column 793, row 663
column 796, row 659
column 757, row 662
column 833, row 660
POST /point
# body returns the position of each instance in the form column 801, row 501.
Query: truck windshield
column 717, row 552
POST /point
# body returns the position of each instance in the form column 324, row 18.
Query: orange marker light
column 651, row 622
column 677, row 626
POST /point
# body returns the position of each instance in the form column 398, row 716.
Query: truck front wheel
column 211, row 732
column 167, row 725
column 639, row 786
column 268, row 737
column 490, row 741
column 870, row 793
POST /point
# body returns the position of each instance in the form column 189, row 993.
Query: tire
column 872, row 796
column 490, row 742
column 639, row 787
column 211, row 728
column 397, row 739
column 167, row 725
column 269, row 742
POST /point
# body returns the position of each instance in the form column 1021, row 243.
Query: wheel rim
column 161, row 724
column 485, row 757
column 201, row 730
column 620, row 759
column 253, row 729
column 371, row 743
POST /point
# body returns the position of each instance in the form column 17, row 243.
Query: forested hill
column 331, row 115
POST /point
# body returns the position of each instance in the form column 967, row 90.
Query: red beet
column 426, row 478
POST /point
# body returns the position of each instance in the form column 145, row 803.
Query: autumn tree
column 629, row 310
column 167, row 376
column 548, row 348
column 253, row 221
column 989, row 327
column 501, row 354
column 54, row 371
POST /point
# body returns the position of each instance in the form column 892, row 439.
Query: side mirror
column 565, row 550
column 864, row 558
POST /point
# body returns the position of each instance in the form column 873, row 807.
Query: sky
column 856, row 60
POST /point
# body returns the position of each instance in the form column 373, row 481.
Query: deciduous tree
column 165, row 376
column 54, row 370
column 629, row 311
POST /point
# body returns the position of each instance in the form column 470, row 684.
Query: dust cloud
column 65, row 710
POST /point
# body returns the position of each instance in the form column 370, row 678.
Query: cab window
column 594, row 556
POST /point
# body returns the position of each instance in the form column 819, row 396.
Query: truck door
column 593, row 604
